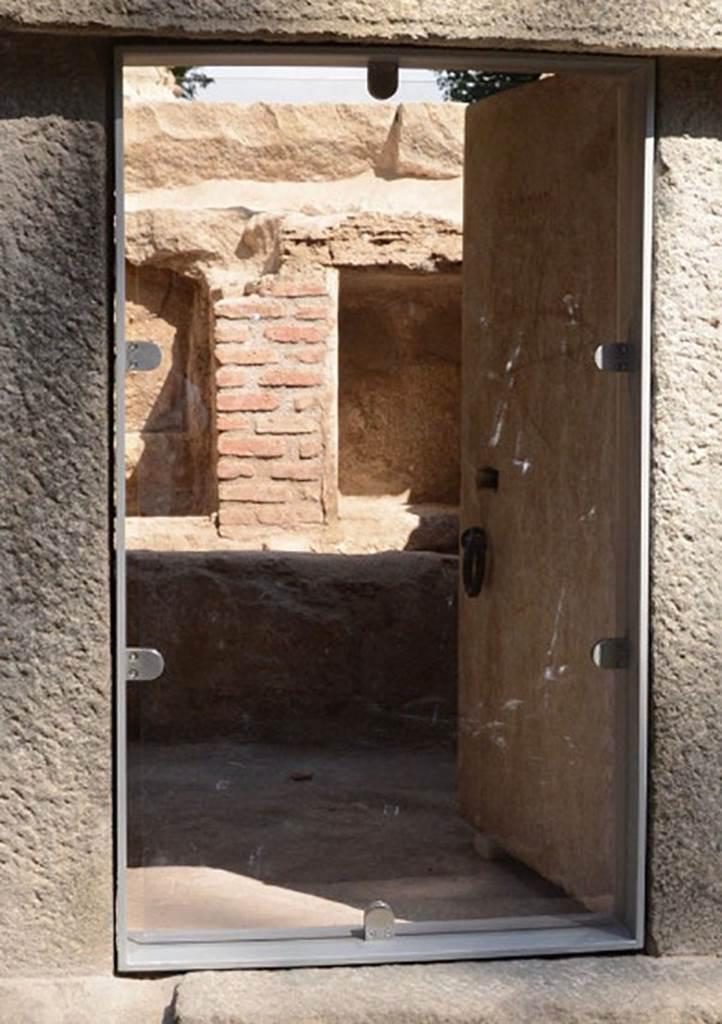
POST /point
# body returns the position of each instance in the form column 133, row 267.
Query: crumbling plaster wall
column 55, row 695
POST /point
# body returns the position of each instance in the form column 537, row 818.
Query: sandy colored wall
column 640, row 26
column 55, row 693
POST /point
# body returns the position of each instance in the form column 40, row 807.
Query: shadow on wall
column 170, row 449
column 400, row 385
column 288, row 647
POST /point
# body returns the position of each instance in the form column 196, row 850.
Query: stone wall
column 56, row 871
column 642, row 26
column 56, row 816
column 385, row 624
column 685, row 866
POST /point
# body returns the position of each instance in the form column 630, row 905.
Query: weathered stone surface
column 594, row 990
column 88, row 1000
column 179, row 143
column 425, row 141
column 641, row 26
column 190, row 242
column 421, row 242
column 386, row 625
column 143, row 85
column 616, row 990
column 56, row 868
column 686, row 781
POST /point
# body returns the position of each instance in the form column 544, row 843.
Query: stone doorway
column 301, row 758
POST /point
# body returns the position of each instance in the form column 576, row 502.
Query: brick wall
column 275, row 401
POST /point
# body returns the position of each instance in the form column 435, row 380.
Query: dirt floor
column 234, row 836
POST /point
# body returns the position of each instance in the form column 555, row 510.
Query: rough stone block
column 653, row 26
column 685, row 865
column 585, row 990
column 56, row 812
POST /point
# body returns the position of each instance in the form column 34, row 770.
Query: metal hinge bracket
column 379, row 923
column 142, row 355
column 613, row 652
column 143, row 664
column 616, row 357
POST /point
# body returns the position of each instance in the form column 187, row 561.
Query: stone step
column 582, row 990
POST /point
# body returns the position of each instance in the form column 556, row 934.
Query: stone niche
column 399, row 377
column 170, row 412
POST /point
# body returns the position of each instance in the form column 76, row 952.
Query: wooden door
column 540, row 729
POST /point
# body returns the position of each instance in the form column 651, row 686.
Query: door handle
column 473, row 559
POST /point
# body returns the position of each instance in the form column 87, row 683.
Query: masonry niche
column 380, row 514
column 399, row 386
column 170, row 445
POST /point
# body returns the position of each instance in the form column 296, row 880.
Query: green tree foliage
column 189, row 80
column 469, row 86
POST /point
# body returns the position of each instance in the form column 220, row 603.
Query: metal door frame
column 434, row 941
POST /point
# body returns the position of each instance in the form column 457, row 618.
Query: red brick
column 247, row 446
column 284, row 425
column 247, row 401
column 288, row 515
column 230, row 376
column 309, row 449
column 229, row 353
column 309, row 400
column 230, row 467
column 256, row 491
column 296, row 471
column 250, row 307
column 298, row 287
column 233, row 421
column 288, row 377
column 311, row 312
column 243, row 356
column 296, row 332
column 235, row 514
column 231, row 330
column 310, row 355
